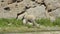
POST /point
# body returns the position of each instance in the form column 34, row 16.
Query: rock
column 52, row 18
column 19, row 1
column 7, row 14
column 55, row 13
column 4, row 3
column 38, row 11
column 29, row 3
column 52, row 4
column 11, row 10
column 39, row 1
column 21, row 7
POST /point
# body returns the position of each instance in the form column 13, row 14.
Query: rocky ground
column 39, row 8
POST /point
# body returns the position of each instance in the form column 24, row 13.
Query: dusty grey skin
column 31, row 19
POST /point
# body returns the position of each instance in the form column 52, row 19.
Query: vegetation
column 17, row 23
column 47, row 22
column 57, row 22
column 13, row 25
column 10, row 22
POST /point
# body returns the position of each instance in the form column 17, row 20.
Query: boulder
column 39, row 1
column 11, row 11
column 55, row 13
column 4, row 3
column 38, row 11
column 29, row 3
column 52, row 4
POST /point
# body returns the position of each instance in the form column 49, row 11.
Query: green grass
column 57, row 22
column 10, row 22
column 47, row 22
column 17, row 23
